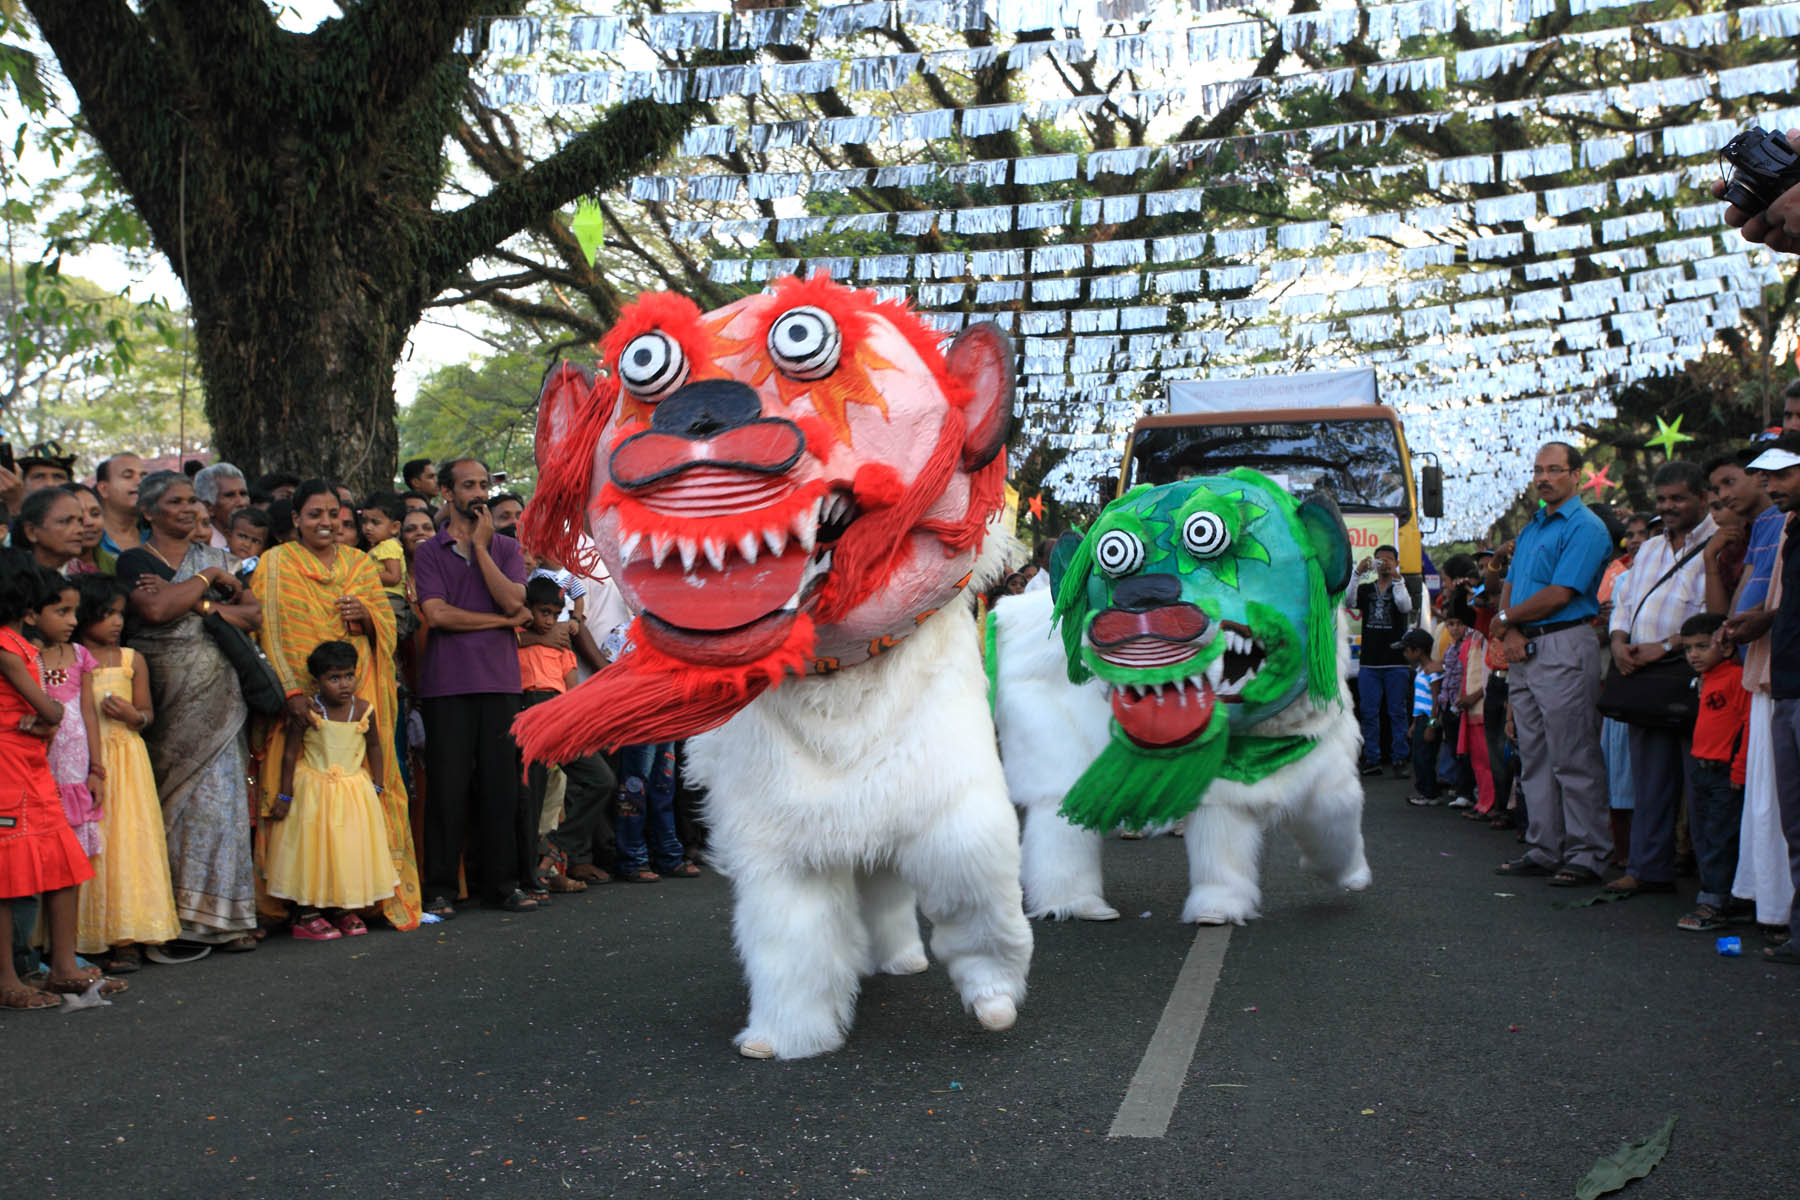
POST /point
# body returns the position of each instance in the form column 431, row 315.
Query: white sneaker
column 1418, row 801
column 1462, row 802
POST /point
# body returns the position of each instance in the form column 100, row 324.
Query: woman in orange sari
column 314, row 590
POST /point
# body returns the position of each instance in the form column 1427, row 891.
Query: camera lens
column 1742, row 192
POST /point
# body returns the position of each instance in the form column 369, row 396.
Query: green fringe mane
column 1134, row 787
column 1072, row 608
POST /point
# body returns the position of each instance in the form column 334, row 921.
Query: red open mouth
column 1160, row 715
column 724, row 566
column 1157, row 715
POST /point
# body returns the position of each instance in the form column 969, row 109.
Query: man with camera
column 1763, row 193
column 1383, row 680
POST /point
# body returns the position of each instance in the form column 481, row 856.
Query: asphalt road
column 1446, row 1034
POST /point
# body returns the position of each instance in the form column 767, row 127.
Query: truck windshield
column 1356, row 462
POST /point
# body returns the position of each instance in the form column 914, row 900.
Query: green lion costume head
column 1206, row 607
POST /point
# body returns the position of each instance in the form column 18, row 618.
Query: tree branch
column 129, row 98
column 380, row 52
column 616, row 147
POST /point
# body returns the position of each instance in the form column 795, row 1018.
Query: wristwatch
column 206, row 607
column 1667, row 644
column 1503, row 618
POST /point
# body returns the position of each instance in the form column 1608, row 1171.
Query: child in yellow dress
column 129, row 902
column 327, row 845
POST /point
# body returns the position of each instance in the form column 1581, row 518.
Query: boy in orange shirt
column 544, row 673
column 1715, row 769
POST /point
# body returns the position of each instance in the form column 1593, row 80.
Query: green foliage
column 486, row 407
column 64, row 379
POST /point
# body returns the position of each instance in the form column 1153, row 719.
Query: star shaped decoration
column 1599, row 481
column 589, row 228
column 1036, row 505
column 1669, row 436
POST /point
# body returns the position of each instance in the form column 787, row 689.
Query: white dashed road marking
column 1156, row 1086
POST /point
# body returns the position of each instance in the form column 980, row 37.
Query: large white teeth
column 627, row 545
column 806, row 527
column 690, row 550
column 714, row 549
column 777, row 540
column 659, row 547
column 1230, row 687
column 748, row 545
column 1215, row 672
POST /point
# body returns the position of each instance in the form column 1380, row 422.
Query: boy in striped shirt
column 1427, row 672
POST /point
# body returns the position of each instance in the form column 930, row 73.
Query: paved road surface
column 1446, row 1034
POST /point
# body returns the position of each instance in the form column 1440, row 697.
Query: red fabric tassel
column 647, row 696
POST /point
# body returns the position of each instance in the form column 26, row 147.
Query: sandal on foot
column 27, row 999
column 1524, row 865
column 441, row 907
column 350, row 925
column 1570, row 877
column 240, row 945
column 589, row 874
column 641, row 875
column 681, row 870
column 562, row 884
column 1787, row 953
column 124, row 960
column 316, row 929
column 75, row 985
column 1703, row 919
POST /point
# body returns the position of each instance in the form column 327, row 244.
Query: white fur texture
column 1050, row 730
column 833, row 802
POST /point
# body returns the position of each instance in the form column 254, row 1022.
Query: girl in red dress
column 39, row 854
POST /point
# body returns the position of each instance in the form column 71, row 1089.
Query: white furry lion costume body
column 793, row 494
column 1203, row 626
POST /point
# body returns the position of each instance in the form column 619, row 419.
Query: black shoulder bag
column 1658, row 695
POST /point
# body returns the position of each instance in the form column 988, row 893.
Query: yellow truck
column 1320, row 433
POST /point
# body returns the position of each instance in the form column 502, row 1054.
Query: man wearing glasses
column 1547, row 607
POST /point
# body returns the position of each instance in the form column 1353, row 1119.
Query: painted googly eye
column 652, row 365
column 1119, row 553
column 1205, row 535
column 804, row 342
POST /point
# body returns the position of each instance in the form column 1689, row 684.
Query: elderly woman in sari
column 315, row 589
column 197, row 744
column 48, row 527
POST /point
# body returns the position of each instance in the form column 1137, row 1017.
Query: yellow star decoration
column 1669, row 436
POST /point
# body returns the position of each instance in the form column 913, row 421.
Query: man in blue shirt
column 1547, row 607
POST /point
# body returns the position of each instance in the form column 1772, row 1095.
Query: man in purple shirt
column 471, row 585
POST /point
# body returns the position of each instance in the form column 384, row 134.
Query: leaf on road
column 1600, row 897
column 1633, row 1160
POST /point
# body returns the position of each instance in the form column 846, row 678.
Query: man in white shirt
column 1664, row 587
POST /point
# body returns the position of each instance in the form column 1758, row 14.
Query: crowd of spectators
column 1620, row 690
column 250, row 706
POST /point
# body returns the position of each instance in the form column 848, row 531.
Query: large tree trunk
column 293, row 181
column 314, row 397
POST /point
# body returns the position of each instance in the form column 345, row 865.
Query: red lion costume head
column 787, row 485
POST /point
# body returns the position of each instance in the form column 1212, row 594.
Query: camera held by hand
column 1763, row 167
